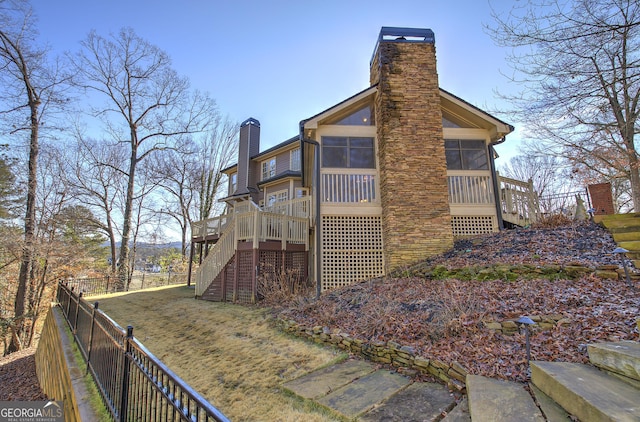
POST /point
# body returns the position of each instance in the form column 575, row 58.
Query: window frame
column 268, row 168
column 349, row 149
column 233, row 182
column 465, row 154
column 294, row 160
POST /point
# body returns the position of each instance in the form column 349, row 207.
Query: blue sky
column 283, row 61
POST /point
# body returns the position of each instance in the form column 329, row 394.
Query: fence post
column 75, row 319
column 93, row 323
column 69, row 302
column 124, row 398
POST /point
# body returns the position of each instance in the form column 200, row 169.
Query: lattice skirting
column 351, row 249
column 473, row 226
column 241, row 287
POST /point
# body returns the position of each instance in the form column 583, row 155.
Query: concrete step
column 586, row 392
column 621, row 357
column 492, row 400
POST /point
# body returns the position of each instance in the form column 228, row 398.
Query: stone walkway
column 358, row 390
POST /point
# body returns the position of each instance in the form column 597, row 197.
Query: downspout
column 496, row 186
column 316, row 189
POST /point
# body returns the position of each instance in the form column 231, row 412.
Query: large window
column 348, row 152
column 233, row 182
column 275, row 197
column 362, row 117
column 269, row 169
column 466, row 155
column 295, row 160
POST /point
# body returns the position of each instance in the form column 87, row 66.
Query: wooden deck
column 249, row 227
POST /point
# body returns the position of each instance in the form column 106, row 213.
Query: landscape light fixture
column 526, row 321
column 621, row 251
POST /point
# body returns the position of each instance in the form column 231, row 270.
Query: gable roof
column 450, row 102
column 312, row 122
column 475, row 115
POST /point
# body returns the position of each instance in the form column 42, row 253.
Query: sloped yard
column 444, row 307
column 230, row 354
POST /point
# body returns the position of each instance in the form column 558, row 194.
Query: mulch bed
column 445, row 319
column 18, row 379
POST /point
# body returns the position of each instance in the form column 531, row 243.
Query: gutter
column 315, row 189
column 496, row 187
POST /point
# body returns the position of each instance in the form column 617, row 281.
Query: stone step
column 324, row 381
column 420, row 401
column 619, row 221
column 586, row 392
column 621, row 357
column 552, row 411
column 626, row 236
column 362, row 394
column 631, row 245
column 492, row 400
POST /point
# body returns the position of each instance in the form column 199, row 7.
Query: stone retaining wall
column 453, row 374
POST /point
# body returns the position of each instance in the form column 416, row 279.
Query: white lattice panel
column 472, row 226
column 351, row 249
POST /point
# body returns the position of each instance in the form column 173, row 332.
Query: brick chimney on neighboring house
column 413, row 169
column 248, row 147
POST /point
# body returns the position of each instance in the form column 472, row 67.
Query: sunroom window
column 466, row 154
column 362, row 117
column 348, row 152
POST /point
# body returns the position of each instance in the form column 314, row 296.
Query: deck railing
column 519, row 201
column 470, row 189
column 349, row 187
column 134, row 384
column 215, row 261
column 298, row 207
column 210, row 226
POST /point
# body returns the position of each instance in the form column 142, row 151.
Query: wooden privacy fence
column 133, row 383
column 51, row 366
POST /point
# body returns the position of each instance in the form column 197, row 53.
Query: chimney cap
column 404, row 35
column 391, row 33
column 250, row 121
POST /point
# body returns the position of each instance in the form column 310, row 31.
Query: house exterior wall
column 416, row 221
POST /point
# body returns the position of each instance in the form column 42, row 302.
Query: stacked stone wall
column 413, row 183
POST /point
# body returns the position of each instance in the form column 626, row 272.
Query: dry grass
column 230, row 354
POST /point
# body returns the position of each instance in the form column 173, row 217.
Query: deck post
column 190, row 264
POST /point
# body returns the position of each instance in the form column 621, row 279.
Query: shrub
column 280, row 286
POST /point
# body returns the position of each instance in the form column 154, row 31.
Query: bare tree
column 578, row 63
column 190, row 175
column 148, row 105
column 95, row 175
column 30, row 88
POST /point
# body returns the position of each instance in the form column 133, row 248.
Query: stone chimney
column 413, row 169
column 249, row 147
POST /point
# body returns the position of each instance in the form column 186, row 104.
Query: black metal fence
column 134, row 384
column 108, row 284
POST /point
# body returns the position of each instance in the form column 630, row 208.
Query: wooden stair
column 608, row 389
column 625, row 229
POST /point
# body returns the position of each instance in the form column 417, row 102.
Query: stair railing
column 519, row 201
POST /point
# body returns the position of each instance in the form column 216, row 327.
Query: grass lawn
column 230, row 354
